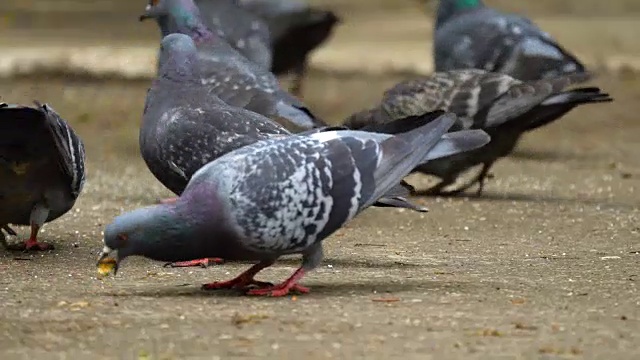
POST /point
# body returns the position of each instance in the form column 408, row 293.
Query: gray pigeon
column 244, row 31
column 500, row 105
column 185, row 126
column 470, row 35
column 41, row 170
column 296, row 30
column 272, row 198
column 232, row 77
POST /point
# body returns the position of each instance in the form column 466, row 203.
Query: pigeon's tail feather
column 458, row 142
column 69, row 145
column 556, row 106
column 399, row 202
column 402, row 125
column 299, row 117
column 403, row 152
column 579, row 96
column 397, row 197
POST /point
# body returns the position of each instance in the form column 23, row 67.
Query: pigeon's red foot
column 243, row 281
column 30, row 245
column 168, row 200
column 191, row 263
column 289, row 285
column 278, row 290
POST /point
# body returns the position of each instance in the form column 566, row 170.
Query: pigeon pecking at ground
column 184, row 126
column 502, row 106
column 276, row 197
column 244, row 31
column 41, row 170
column 231, row 76
column 296, row 30
column 470, row 35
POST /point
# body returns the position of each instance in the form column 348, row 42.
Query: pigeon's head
column 178, row 44
column 135, row 233
column 178, row 55
column 155, row 9
column 180, row 10
column 448, row 8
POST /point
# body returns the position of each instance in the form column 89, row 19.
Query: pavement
column 543, row 266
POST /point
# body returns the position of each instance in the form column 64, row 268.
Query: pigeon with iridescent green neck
column 471, row 35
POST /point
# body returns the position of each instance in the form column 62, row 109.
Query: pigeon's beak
column 146, row 15
column 107, row 263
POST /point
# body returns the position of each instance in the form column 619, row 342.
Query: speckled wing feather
column 480, row 99
column 493, row 41
column 286, row 194
column 185, row 126
column 243, row 30
column 239, row 83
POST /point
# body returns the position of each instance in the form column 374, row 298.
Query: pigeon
column 502, row 106
column 232, row 77
column 296, row 30
column 272, row 198
column 185, row 126
column 470, row 35
column 244, row 31
column 41, row 170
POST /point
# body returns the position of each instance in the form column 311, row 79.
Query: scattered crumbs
column 610, row 258
column 518, row 301
column 559, row 351
column 490, row 332
column 239, row 319
column 386, row 300
column 522, row 326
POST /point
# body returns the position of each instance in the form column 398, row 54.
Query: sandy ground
column 544, row 266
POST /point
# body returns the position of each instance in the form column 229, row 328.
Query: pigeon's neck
column 449, row 8
column 178, row 232
column 179, row 67
column 187, row 20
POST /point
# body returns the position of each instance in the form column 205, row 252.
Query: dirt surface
column 543, row 266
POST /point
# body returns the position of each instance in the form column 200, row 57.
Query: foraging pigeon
column 296, row 30
column 499, row 104
column 272, row 198
column 232, row 77
column 470, row 35
column 185, row 126
column 41, row 170
column 244, row 31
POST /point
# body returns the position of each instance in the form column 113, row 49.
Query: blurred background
column 93, row 60
column 559, row 206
